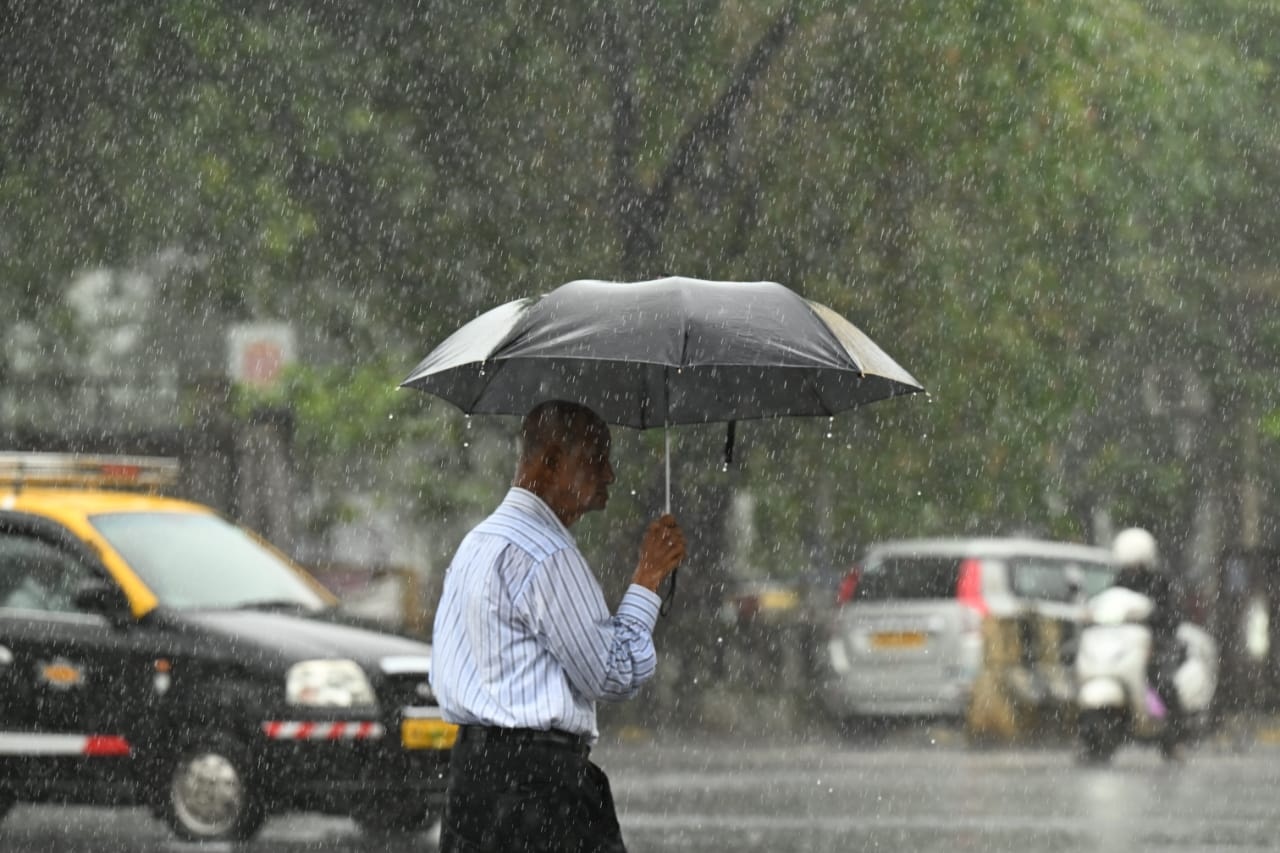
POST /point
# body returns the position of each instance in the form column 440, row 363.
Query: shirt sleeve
column 606, row 658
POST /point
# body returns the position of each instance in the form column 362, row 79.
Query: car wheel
column 393, row 817
column 210, row 794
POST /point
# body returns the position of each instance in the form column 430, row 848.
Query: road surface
column 827, row 795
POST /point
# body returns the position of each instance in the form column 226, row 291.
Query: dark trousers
column 1164, row 665
column 515, row 792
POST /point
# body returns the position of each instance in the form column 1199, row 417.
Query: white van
column 906, row 636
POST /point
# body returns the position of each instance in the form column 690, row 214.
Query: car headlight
column 328, row 684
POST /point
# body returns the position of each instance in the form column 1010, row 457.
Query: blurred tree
column 1027, row 204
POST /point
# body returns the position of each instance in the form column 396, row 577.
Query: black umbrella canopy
column 663, row 352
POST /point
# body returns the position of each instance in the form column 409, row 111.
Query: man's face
column 587, row 471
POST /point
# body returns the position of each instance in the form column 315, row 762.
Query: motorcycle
column 1115, row 704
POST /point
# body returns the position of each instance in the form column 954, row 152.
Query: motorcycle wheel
column 1100, row 736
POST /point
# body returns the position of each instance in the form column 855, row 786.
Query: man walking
column 524, row 647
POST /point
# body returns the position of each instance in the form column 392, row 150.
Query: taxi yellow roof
column 66, row 503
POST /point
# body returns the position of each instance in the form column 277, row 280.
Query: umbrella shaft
column 666, row 437
column 665, row 607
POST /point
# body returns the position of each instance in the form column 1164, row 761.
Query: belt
column 498, row 735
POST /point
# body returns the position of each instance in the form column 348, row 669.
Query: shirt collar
column 526, row 502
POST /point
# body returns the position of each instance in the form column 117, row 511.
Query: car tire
column 209, row 793
column 393, row 816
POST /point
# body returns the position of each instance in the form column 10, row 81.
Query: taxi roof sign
column 77, row 470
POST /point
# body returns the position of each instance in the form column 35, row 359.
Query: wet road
column 827, row 795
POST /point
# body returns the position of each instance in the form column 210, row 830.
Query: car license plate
column 427, row 734
column 898, row 639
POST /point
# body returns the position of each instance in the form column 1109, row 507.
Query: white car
column 906, row 636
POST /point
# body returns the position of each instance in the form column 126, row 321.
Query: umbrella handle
column 665, row 607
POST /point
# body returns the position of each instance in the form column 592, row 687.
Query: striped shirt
column 523, row 638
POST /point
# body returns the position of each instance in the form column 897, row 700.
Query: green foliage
column 1026, row 203
column 345, row 409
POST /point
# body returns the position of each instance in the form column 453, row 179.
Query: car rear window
column 916, row 576
column 909, row 577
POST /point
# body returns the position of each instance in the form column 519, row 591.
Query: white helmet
column 1135, row 547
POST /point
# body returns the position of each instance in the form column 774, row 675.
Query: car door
column 74, row 683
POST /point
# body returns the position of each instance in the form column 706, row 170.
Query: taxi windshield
column 193, row 561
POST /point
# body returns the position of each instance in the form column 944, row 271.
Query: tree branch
column 717, row 121
column 637, row 239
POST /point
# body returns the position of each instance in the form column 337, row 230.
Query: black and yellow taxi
column 152, row 652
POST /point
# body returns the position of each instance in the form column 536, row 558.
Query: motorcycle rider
column 1137, row 557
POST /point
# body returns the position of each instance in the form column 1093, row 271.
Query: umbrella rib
column 648, row 416
column 681, row 362
column 833, row 337
column 666, row 396
column 496, row 367
column 810, row 379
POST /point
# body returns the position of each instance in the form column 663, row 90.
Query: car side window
column 35, row 575
column 1058, row 580
column 1043, row 580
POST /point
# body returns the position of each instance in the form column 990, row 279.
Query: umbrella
column 661, row 353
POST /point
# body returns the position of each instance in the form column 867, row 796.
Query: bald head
column 564, row 458
column 558, row 423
